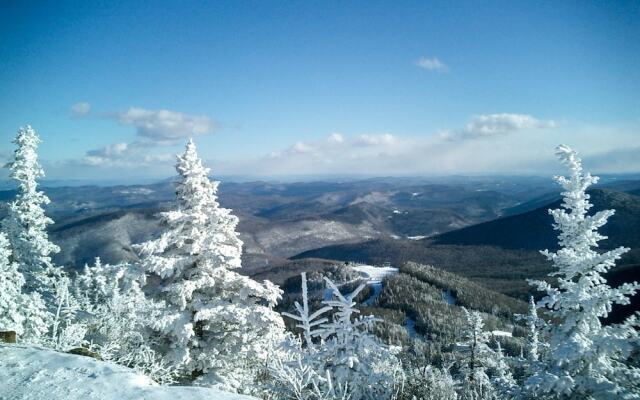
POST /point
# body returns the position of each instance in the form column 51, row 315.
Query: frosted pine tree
column 26, row 224
column 429, row 383
column 20, row 312
column 117, row 317
column 586, row 359
column 11, row 282
column 476, row 357
column 348, row 362
column 309, row 322
column 502, row 378
column 532, row 335
column 218, row 326
column 66, row 330
column 91, row 286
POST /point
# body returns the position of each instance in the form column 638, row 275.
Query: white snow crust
column 32, row 373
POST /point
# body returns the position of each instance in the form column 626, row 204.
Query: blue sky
column 276, row 88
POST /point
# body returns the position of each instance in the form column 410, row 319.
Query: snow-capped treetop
column 475, row 358
column 575, row 197
column 580, row 285
column 479, row 355
column 26, row 225
column 25, row 167
column 199, row 229
column 194, row 189
column 503, row 378
column 578, row 232
column 586, row 358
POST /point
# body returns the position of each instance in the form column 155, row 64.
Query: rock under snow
column 34, row 373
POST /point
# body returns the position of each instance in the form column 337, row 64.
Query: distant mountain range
column 279, row 220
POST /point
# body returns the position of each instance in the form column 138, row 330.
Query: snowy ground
column 31, row 373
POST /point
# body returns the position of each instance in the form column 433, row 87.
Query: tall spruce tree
column 585, row 359
column 26, row 224
column 218, row 326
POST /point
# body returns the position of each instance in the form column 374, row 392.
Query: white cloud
column 499, row 124
column 165, row 126
column 80, row 109
column 489, row 125
column 432, row 64
column 301, row 147
column 486, row 144
column 155, row 128
column 335, row 138
column 375, row 140
column 134, row 154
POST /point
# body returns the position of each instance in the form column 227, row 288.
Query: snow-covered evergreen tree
column 586, row 359
column 218, row 326
column 20, row 312
column 91, row 286
column 309, row 322
column 26, row 224
column 533, row 341
column 347, row 361
column 502, row 379
column 117, row 315
column 66, row 331
column 429, row 383
column 476, row 357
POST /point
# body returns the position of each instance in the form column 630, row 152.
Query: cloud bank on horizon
column 501, row 143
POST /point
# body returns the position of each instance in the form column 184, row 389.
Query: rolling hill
column 279, row 220
column 533, row 231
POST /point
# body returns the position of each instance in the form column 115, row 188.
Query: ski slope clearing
column 374, row 277
column 375, row 274
column 34, row 373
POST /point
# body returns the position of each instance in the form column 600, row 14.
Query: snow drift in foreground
column 35, row 373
